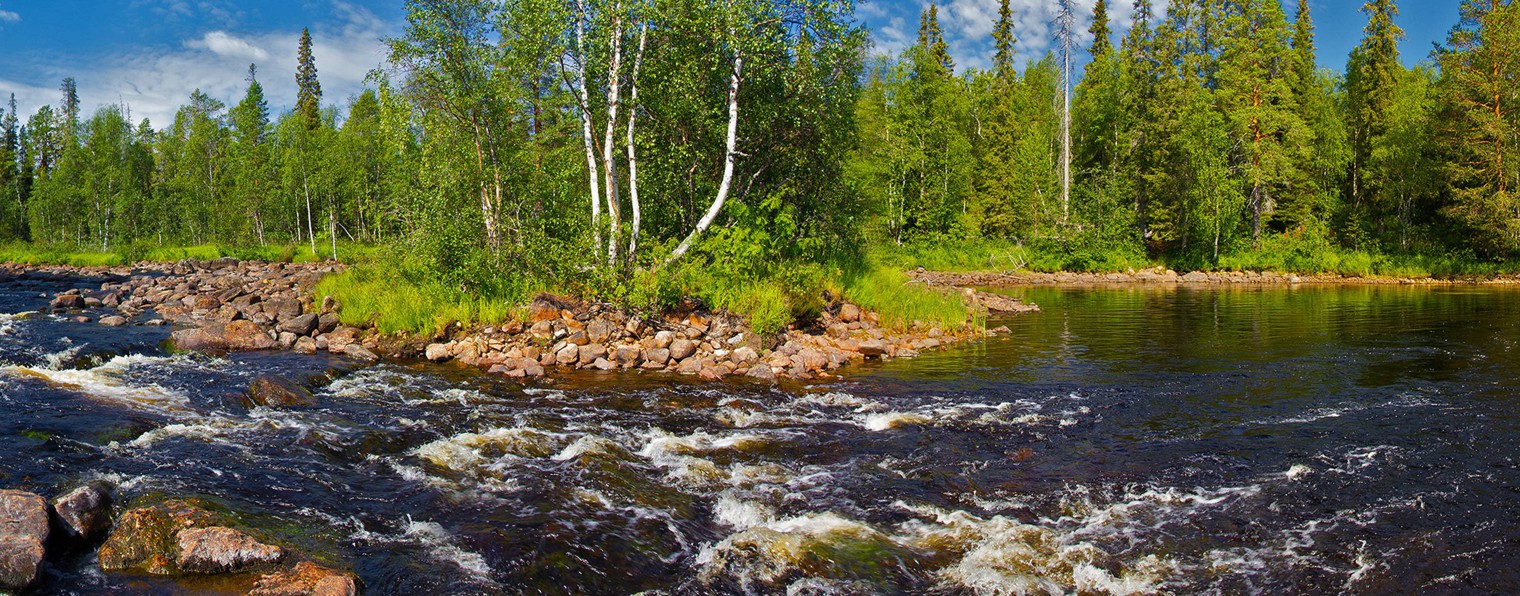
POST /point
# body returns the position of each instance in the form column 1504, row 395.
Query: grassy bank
column 382, row 293
column 1278, row 253
column 31, row 254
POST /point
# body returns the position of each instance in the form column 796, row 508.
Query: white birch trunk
column 587, row 134
column 633, row 161
column 728, row 161
column 609, row 166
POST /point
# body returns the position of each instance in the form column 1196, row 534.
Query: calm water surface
column 1135, row 440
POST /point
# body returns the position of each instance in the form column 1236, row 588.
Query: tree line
column 1206, row 132
column 552, row 138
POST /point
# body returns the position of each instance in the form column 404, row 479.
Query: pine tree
column 1101, row 45
column 1478, row 67
column 70, row 105
column 308, row 88
column 1003, row 41
column 250, row 124
column 932, row 38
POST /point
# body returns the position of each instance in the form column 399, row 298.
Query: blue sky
column 150, row 54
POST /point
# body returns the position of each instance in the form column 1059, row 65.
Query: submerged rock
column 222, row 550
column 85, row 513
column 23, row 534
column 272, row 391
column 307, row 579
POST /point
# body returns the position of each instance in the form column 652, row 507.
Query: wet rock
column 23, row 534
column 113, row 321
column 604, row 364
column 304, row 345
column 144, row 539
column 272, row 391
column 874, row 348
column 360, row 353
column 307, row 579
column 299, row 325
column 437, row 352
column 1195, row 277
column 222, row 550
column 765, row 559
column 762, row 372
column 68, row 301
column 85, row 513
column 237, row 335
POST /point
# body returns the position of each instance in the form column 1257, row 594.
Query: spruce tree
column 1002, row 41
column 932, row 38
column 308, row 88
column 1101, row 45
column 1371, row 75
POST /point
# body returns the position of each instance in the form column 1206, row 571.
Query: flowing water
column 1135, row 440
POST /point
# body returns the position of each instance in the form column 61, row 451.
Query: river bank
column 1162, row 275
column 229, row 305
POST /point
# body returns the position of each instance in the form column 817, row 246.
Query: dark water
column 1317, row 440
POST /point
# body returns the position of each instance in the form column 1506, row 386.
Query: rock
column 85, row 513
column 68, row 301
column 306, row 579
column 272, row 391
column 628, row 355
column 113, row 321
column 203, row 302
column 23, row 535
column 304, row 345
column 299, row 325
column 744, row 355
column 437, row 352
column 663, row 339
column 599, row 331
column 762, row 372
column 604, row 364
column 578, row 338
column 222, row 550
column 681, row 349
column 237, row 335
column 590, row 353
column 360, row 353
column 657, row 356
column 849, row 313
column 1195, row 277
column 282, row 307
column 570, row 354
column 327, row 322
column 144, row 538
column 873, row 348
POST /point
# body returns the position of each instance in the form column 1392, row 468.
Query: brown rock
column 222, row 550
column 327, row 322
column 307, row 579
column 663, row 339
column 272, row 391
column 873, row 348
column 604, row 364
column 113, row 321
column 689, row 366
column 569, row 354
column 744, row 356
column 599, row 331
column 237, row 335
column 299, row 325
column 762, row 372
column 360, row 353
column 849, row 313
column 23, row 534
column 437, row 352
column 590, row 353
column 85, row 513
column 68, row 301
column 681, row 349
column 144, row 538
column 304, row 345
column 657, row 356
column 628, row 355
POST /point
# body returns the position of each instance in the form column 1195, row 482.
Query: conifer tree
column 1371, row 74
column 1478, row 68
column 308, row 88
column 1101, row 45
column 1002, row 42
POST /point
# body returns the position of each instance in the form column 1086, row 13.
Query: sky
column 151, row 54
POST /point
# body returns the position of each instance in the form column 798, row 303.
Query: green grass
column 375, row 294
column 31, row 254
column 900, row 301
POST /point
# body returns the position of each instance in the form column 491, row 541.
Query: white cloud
column 225, row 44
column 9, row 16
column 154, row 84
column 968, row 27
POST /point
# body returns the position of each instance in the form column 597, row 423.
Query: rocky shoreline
column 230, row 305
column 1162, row 275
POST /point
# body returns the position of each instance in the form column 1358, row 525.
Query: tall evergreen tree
column 308, row 88
column 1101, row 44
column 1479, row 65
column 932, row 38
column 1371, row 75
column 1002, row 42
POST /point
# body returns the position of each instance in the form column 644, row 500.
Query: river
column 1354, row 439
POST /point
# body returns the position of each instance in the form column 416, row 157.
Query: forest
column 752, row 151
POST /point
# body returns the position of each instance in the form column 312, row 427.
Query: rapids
column 1124, row 441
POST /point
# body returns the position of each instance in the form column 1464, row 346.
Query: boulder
column 590, row 353
column 849, row 313
column 599, row 331
column 272, row 391
column 237, row 335
column 658, row 356
column 23, row 534
column 299, row 325
column 327, row 322
column 744, row 355
column 360, row 353
column 1195, row 277
column 663, row 339
column 145, row 538
column 761, row 372
column 222, row 550
column 437, row 352
column 873, row 348
column 113, row 321
column 282, row 307
column 85, row 513
column 307, row 579
column 569, row 354
column 304, row 345
column 681, row 349
column 68, row 301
